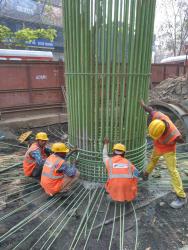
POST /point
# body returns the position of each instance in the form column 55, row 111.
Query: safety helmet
column 119, row 147
column 59, row 147
column 41, row 136
column 156, row 129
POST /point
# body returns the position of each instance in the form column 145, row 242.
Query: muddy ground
column 159, row 226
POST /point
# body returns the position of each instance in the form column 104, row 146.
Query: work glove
column 144, row 175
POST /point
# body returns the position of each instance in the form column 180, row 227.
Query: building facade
column 35, row 14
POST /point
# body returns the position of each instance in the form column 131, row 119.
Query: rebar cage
column 107, row 67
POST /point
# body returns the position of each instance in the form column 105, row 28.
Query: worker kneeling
column 58, row 174
column 122, row 174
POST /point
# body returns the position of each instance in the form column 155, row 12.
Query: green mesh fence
column 107, row 68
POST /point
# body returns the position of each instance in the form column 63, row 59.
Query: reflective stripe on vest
column 52, row 167
column 169, row 137
column 172, row 126
column 121, row 165
column 51, row 176
column 28, row 159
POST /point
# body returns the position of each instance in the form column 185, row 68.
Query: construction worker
column 36, row 155
column 122, row 174
column 165, row 136
column 58, row 175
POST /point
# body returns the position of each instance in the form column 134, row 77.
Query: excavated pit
column 27, row 214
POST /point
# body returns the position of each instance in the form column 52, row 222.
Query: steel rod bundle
column 88, row 214
column 107, row 68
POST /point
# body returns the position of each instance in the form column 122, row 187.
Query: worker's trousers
column 170, row 159
column 37, row 171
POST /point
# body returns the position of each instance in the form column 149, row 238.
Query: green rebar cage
column 107, row 68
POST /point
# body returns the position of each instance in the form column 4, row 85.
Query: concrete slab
column 34, row 121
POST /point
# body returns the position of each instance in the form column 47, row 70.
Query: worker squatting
column 56, row 174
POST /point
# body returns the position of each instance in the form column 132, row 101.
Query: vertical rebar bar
column 107, row 67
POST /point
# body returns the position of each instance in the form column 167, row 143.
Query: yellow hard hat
column 41, row 136
column 59, row 147
column 156, row 129
column 119, row 147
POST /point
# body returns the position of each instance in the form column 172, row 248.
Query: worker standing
column 122, row 174
column 36, row 155
column 165, row 136
column 58, row 175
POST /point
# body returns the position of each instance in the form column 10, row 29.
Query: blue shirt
column 67, row 169
column 136, row 173
column 38, row 156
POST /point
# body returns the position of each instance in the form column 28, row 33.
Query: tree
column 51, row 13
column 49, row 34
column 29, row 35
column 173, row 31
column 5, row 34
column 18, row 38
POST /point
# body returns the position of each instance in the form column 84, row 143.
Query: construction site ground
column 86, row 219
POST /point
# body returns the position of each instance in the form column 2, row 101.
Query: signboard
column 42, row 43
column 28, row 7
column 30, row 10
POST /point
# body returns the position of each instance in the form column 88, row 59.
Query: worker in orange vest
column 36, row 155
column 58, row 174
column 165, row 136
column 122, row 174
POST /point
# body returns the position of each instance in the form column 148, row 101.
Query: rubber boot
column 179, row 202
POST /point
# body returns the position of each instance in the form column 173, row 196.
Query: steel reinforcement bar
column 107, row 69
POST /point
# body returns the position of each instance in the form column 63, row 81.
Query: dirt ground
column 159, row 226
column 162, row 227
column 171, row 90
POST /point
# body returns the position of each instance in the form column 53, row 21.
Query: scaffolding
column 107, row 68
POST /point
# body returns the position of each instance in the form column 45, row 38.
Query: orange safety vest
column 51, row 180
column 29, row 162
column 166, row 143
column 121, row 184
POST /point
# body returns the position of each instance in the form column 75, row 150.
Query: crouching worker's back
column 122, row 174
column 36, row 155
column 58, row 174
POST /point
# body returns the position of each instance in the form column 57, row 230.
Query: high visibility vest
column 121, row 183
column 166, row 143
column 51, row 180
column 29, row 162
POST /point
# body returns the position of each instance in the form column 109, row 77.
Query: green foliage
column 48, row 9
column 19, row 37
column 49, row 34
column 23, row 35
column 5, row 33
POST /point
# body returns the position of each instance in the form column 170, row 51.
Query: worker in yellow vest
column 122, row 174
column 165, row 135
